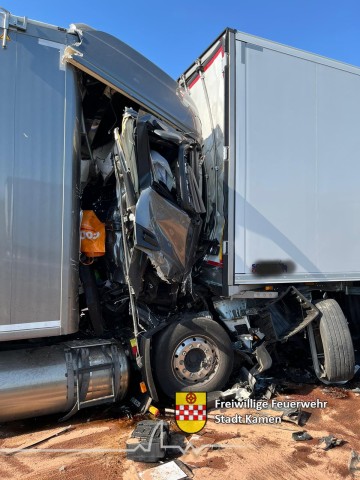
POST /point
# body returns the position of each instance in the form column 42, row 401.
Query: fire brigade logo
column 190, row 413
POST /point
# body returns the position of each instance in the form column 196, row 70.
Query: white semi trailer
column 160, row 227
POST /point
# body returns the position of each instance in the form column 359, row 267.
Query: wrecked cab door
column 158, row 167
column 164, row 206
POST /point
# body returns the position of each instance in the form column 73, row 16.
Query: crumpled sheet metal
column 330, row 442
column 354, row 463
column 128, row 144
column 173, row 232
column 302, row 436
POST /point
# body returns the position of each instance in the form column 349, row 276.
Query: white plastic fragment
column 166, row 471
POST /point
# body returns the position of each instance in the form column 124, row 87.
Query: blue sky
column 172, row 34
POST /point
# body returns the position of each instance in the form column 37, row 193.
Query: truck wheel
column 333, row 343
column 193, row 354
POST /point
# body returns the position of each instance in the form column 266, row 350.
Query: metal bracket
column 79, row 372
column 225, row 247
column 70, row 378
column 352, row 290
column 264, row 360
column 225, row 61
column 255, row 294
column 8, row 20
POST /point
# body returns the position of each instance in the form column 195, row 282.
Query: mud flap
column 290, row 313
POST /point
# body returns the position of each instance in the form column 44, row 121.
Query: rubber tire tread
column 339, row 356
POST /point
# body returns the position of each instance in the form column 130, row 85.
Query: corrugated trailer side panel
column 297, row 165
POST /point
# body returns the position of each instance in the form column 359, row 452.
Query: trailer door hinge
column 225, row 153
column 225, row 247
column 12, row 21
column 225, row 62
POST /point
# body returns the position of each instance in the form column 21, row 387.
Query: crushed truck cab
column 158, row 228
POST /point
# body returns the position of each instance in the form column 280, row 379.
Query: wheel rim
column 195, row 359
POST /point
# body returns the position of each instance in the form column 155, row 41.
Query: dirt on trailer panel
column 236, row 451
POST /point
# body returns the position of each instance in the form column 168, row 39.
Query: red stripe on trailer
column 208, row 65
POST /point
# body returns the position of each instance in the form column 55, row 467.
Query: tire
column 206, row 353
column 335, row 343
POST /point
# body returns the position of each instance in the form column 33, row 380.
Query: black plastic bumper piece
column 148, row 441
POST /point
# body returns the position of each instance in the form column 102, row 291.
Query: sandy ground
column 236, row 451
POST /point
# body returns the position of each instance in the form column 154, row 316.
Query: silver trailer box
column 39, row 203
column 282, row 128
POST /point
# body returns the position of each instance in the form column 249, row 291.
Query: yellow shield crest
column 190, row 412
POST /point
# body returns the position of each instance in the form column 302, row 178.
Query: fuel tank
column 61, row 378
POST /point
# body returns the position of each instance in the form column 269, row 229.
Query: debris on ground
column 174, row 470
column 211, row 398
column 247, row 378
column 335, row 392
column 295, row 415
column 301, row 436
column 292, row 415
column 39, row 439
column 330, row 442
column 270, row 391
column 177, row 444
column 140, row 403
column 354, row 462
column 125, row 412
column 148, row 441
column 251, row 451
column 247, row 386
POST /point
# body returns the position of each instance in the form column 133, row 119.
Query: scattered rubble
column 148, row 441
column 296, row 416
column 335, row 392
column 301, row 436
column 173, row 470
column 330, row 441
column 354, row 462
column 39, row 439
column 247, row 451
